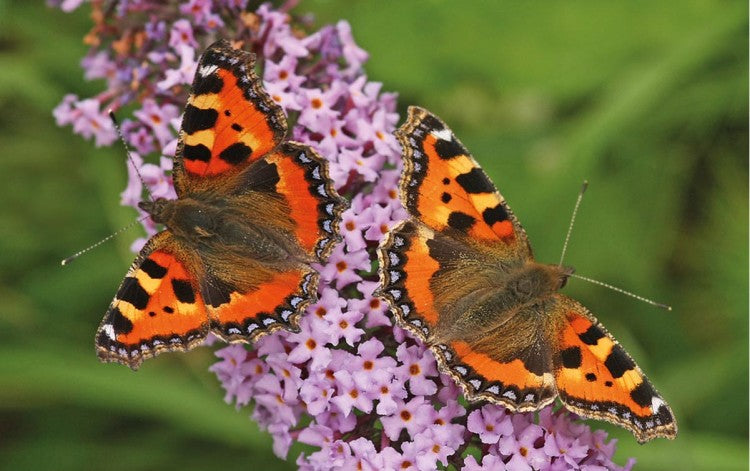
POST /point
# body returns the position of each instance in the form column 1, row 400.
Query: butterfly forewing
column 229, row 121
column 597, row 378
column 157, row 308
column 444, row 187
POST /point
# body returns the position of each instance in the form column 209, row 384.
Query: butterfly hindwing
column 444, row 187
column 597, row 378
column 508, row 363
column 406, row 268
column 245, row 313
column 229, row 121
column 308, row 192
column 157, row 308
column 292, row 198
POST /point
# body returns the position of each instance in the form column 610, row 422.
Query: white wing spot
column 444, row 134
column 207, row 70
column 109, row 329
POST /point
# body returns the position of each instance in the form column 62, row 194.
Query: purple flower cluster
column 362, row 391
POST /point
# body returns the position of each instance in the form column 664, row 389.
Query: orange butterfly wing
column 596, row 377
column 445, row 188
column 158, row 307
column 295, row 180
column 229, row 121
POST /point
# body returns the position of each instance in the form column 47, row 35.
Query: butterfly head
column 535, row 281
column 161, row 210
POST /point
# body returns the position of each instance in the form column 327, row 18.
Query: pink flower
column 158, row 119
column 525, row 447
column 489, row 463
column 413, row 416
column 99, row 66
column 353, row 54
column 317, row 108
column 310, row 345
column 350, row 395
column 198, row 9
column 342, row 267
column 182, row 35
column 351, row 230
column 86, row 118
column 283, row 73
column 490, row 423
column 415, row 368
column 183, row 75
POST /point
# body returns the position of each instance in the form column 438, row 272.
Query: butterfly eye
column 564, row 275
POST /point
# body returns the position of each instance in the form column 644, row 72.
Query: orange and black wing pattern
column 596, row 377
column 242, row 314
column 299, row 176
column 445, row 188
column 406, row 268
column 299, row 205
column 229, row 121
column 521, row 382
column 157, row 308
column 425, row 280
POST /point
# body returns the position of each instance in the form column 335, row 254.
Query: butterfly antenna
column 67, row 261
column 573, row 220
column 620, row 290
column 129, row 153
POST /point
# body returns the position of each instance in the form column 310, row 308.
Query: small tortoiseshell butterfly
column 253, row 211
column 460, row 275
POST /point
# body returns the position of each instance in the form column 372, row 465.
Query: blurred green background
column 646, row 100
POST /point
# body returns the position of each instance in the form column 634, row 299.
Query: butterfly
column 460, row 275
column 253, row 212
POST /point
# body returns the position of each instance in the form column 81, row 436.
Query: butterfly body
column 211, row 225
column 460, row 275
column 481, row 293
column 252, row 213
